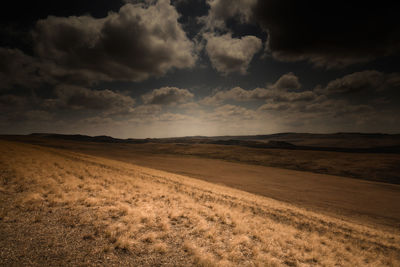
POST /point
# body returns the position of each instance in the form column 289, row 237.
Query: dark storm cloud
column 137, row 42
column 77, row 66
column 12, row 36
column 26, row 12
column 15, row 109
column 78, row 102
column 19, row 69
column 167, row 96
column 9, row 103
column 330, row 33
column 17, row 18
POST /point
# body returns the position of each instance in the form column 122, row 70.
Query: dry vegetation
column 385, row 167
column 132, row 215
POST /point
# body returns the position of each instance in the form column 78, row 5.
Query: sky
column 138, row 69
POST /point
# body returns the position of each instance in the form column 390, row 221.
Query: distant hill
column 86, row 138
column 340, row 142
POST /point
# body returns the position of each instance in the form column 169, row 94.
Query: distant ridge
column 339, row 142
column 86, row 138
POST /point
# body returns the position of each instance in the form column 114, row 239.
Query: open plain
column 346, row 185
column 61, row 207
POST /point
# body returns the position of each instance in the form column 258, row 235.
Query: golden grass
column 184, row 221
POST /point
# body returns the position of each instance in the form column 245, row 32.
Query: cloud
column 236, row 94
column 167, row 96
column 98, row 120
column 21, row 70
column 15, row 109
column 147, row 110
column 329, row 34
column 363, row 81
column 281, row 90
column 148, row 114
column 229, row 54
column 18, row 69
column 323, row 114
column 190, row 106
column 145, row 113
column 221, row 10
column 303, row 96
column 335, row 108
column 337, row 97
column 173, row 117
column 78, row 98
column 10, row 105
column 311, row 104
column 231, row 113
column 39, row 115
column 283, row 100
column 137, row 42
column 287, row 81
column 320, row 103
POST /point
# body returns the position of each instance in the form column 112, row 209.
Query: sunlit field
column 95, row 211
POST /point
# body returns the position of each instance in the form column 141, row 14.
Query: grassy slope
column 82, row 208
column 366, row 166
column 248, row 169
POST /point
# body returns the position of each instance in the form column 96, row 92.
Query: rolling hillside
column 65, row 208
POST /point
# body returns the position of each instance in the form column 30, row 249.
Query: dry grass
column 159, row 217
column 384, row 167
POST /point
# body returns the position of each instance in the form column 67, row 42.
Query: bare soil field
column 59, row 207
